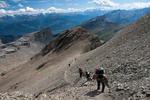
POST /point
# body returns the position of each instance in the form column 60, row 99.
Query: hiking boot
column 102, row 91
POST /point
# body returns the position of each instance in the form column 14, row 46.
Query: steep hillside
column 18, row 52
column 46, row 71
column 126, row 61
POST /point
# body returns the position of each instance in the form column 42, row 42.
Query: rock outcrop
column 69, row 37
column 18, row 52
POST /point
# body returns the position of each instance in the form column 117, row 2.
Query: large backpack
column 100, row 71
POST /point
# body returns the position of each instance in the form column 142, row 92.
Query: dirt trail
column 86, row 92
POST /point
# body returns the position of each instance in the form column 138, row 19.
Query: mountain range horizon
column 58, row 22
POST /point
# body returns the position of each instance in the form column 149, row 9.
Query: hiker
column 80, row 72
column 87, row 75
column 100, row 77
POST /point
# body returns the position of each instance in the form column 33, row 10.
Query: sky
column 60, row 6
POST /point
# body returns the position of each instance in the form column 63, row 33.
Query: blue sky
column 44, row 6
column 64, row 4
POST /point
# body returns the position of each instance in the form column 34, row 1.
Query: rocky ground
column 84, row 91
column 125, row 59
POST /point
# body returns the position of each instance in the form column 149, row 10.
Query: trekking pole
column 83, row 83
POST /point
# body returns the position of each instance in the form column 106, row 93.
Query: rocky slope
column 46, row 71
column 15, row 53
column 126, row 61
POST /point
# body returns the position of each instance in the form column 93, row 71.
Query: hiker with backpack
column 80, row 72
column 100, row 77
column 88, row 75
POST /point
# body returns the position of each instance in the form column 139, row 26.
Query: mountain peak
column 70, row 37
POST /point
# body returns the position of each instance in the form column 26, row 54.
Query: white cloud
column 107, row 3
column 20, row 5
column 110, row 5
column 3, row 4
column 135, row 5
column 21, row 10
column 32, row 11
column 2, row 11
column 58, row 10
column 102, row 5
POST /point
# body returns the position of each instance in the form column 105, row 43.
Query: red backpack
column 80, row 70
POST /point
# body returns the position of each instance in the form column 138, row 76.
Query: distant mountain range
column 103, row 27
column 107, row 25
column 9, row 38
column 22, row 24
column 127, row 16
